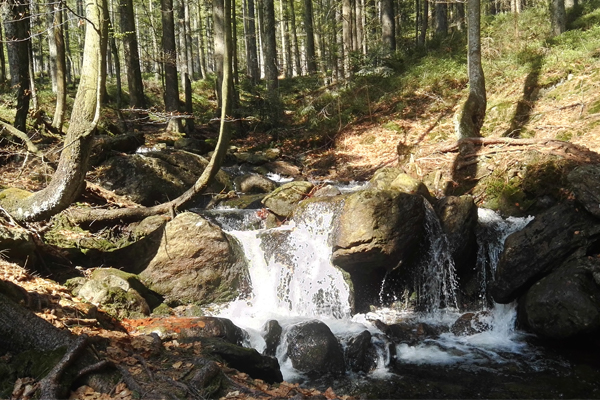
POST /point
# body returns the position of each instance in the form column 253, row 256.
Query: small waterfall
column 291, row 271
column 436, row 281
column 491, row 234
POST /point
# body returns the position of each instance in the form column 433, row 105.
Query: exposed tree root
column 50, row 385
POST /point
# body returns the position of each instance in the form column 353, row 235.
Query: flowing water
column 293, row 280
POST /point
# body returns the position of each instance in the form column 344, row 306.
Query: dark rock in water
column 565, row 303
column 156, row 177
column 472, row 323
column 314, row 349
column 196, row 262
column 272, row 336
column 244, row 359
column 458, row 217
column 360, row 353
column 253, row 183
column 585, row 182
column 410, row 332
column 541, row 246
column 378, row 231
column 285, row 198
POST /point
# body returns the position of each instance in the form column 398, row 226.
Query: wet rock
column 378, row 231
column 327, row 191
column 360, row 353
column 253, row 183
column 285, row 198
column 313, row 349
column 244, row 201
column 157, row 176
column 119, row 293
column 410, row 332
column 541, row 246
column 565, row 303
column 243, row 359
column 273, row 332
column 472, row 323
column 458, row 217
column 196, row 262
column 282, row 168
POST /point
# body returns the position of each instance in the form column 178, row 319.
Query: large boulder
column 585, row 183
column 157, row 176
column 196, row 263
column 254, row 183
column 361, row 355
column 541, row 246
column 283, row 200
column 313, row 349
column 17, row 245
column 378, row 230
column 565, row 303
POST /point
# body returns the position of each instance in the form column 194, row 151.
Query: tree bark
column 186, row 82
column 311, row 62
column 296, row 55
column 131, row 55
column 270, row 59
column 469, row 119
column 559, row 17
column 441, row 19
column 347, row 29
column 2, row 59
column 388, row 25
column 60, row 66
column 68, row 180
column 16, row 27
column 252, row 68
column 170, row 65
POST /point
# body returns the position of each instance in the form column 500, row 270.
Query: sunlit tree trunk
column 16, row 28
column 68, row 180
column 559, row 17
column 171, row 97
column 424, row 22
column 469, row 118
column 131, row 54
column 270, row 59
column 347, row 28
column 58, row 63
column 286, row 47
column 186, row 82
column 295, row 49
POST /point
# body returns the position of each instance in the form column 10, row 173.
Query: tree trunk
column 59, row 79
column 286, row 46
column 186, row 82
column 424, row 22
column 270, row 59
column 441, row 19
column 170, row 65
column 131, row 54
column 311, row 62
column 296, row 51
column 251, row 50
column 16, row 28
column 469, row 119
column 359, row 24
column 388, row 25
column 559, row 17
column 115, row 53
column 68, row 180
column 2, row 59
column 347, row 33
column 32, row 88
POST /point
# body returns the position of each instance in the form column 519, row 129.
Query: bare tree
column 311, row 62
column 131, row 54
column 171, row 97
column 469, row 118
column 388, row 25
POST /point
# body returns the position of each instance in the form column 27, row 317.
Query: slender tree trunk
column 2, row 59
column 234, row 55
column 270, row 60
column 311, row 62
column 68, row 59
column 469, row 119
column 131, row 54
column 170, row 65
column 201, row 45
column 388, row 25
column 16, row 28
column 297, row 68
column 424, row 22
column 112, row 44
column 360, row 28
column 347, row 33
column 186, row 82
column 68, row 180
column 32, row 87
column 58, row 60
column 251, row 48
column 286, row 46
column 559, row 17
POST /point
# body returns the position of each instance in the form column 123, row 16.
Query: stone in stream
column 272, row 336
column 544, row 244
column 565, row 303
column 314, row 350
column 196, row 262
column 283, row 200
column 360, row 354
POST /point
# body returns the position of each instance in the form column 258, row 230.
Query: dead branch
column 11, row 130
column 108, row 196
